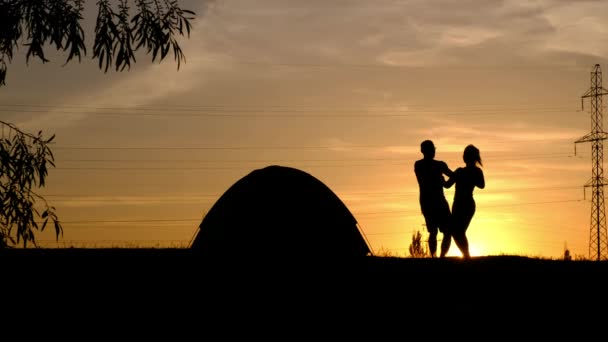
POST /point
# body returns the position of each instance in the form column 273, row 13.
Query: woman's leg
column 464, row 246
column 446, row 242
column 461, row 218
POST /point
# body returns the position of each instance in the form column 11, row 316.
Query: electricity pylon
column 598, row 236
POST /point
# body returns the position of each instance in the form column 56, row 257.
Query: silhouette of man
column 433, row 204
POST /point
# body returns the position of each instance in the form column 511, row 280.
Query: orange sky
column 344, row 90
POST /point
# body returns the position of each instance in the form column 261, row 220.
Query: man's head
column 428, row 149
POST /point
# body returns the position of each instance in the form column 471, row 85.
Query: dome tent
column 279, row 211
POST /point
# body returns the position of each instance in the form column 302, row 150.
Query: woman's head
column 471, row 155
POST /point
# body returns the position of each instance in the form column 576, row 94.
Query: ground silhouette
column 123, row 291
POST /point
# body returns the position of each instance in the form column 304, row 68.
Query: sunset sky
column 344, row 90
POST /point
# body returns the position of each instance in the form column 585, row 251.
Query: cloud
column 579, row 27
column 402, row 149
column 146, row 83
column 466, row 36
column 338, row 145
column 502, row 132
column 542, row 166
column 508, row 32
column 418, row 58
column 233, row 36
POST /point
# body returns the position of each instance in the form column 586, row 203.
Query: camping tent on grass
column 280, row 211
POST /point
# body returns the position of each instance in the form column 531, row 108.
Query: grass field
column 110, row 288
column 134, row 264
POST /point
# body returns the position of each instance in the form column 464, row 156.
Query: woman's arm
column 481, row 182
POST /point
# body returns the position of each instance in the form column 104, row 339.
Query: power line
column 293, row 113
column 522, row 157
column 526, row 228
column 490, row 206
column 161, row 243
column 249, row 107
column 221, row 160
column 395, row 67
column 206, row 168
column 129, row 221
column 358, row 214
column 247, row 148
column 210, row 168
column 118, row 199
column 210, row 148
column 281, row 109
column 376, row 193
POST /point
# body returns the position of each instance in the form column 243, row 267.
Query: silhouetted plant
column 118, row 34
column 24, row 161
column 567, row 255
column 386, row 252
column 417, row 248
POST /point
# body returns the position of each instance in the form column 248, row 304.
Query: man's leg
column 433, row 242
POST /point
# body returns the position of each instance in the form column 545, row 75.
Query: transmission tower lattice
column 598, row 235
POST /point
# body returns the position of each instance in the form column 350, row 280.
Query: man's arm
column 448, row 184
column 446, row 170
column 417, row 171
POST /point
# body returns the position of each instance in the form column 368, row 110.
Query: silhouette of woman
column 463, row 207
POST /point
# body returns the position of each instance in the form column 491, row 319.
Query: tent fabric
column 280, row 211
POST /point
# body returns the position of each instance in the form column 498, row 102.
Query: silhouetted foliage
column 118, row 34
column 567, row 255
column 24, row 160
column 417, row 249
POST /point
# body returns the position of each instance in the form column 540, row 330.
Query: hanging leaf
column 24, row 160
column 119, row 31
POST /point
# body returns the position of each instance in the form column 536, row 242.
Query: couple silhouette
column 433, row 204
